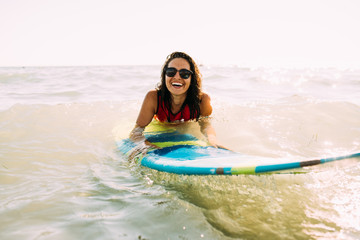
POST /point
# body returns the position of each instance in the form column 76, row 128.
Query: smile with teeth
column 176, row 84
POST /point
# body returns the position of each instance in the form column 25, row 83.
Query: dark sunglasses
column 184, row 73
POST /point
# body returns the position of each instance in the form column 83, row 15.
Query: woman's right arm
column 148, row 109
column 146, row 114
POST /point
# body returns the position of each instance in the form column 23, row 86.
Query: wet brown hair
column 193, row 93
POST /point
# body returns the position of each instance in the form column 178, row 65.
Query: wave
column 293, row 126
column 62, row 158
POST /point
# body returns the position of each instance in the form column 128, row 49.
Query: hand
column 141, row 150
column 151, row 145
column 212, row 140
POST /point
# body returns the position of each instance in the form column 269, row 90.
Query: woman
column 178, row 98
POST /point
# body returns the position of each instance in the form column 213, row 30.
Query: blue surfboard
column 183, row 153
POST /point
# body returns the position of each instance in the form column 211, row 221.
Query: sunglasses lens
column 185, row 74
column 170, row 72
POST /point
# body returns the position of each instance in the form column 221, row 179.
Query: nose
column 177, row 75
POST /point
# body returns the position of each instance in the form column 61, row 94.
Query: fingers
column 222, row 147
column 151, row 145
column 141, row 150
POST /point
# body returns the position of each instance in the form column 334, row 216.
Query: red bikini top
column 163, row 114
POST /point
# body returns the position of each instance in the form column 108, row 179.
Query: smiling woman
column 178, row 99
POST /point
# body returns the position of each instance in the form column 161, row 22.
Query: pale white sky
column 243, row 32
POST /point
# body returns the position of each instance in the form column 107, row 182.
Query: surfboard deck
column 185, row 154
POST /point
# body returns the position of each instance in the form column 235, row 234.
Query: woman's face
column 177, row 85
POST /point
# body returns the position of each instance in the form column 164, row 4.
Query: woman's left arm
column 204, row 121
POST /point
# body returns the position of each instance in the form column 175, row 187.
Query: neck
column 178, row 100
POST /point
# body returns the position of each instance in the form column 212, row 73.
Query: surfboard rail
column 185, row 157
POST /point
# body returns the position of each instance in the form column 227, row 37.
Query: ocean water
column 61, row 176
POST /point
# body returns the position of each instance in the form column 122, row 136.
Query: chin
column 178, row 91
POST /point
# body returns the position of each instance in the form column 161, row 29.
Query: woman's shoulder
column 152, row 95
column 151, row 99
column 205, row 105
column 204, row 97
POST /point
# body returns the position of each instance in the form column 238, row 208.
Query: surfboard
column 183, row 153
